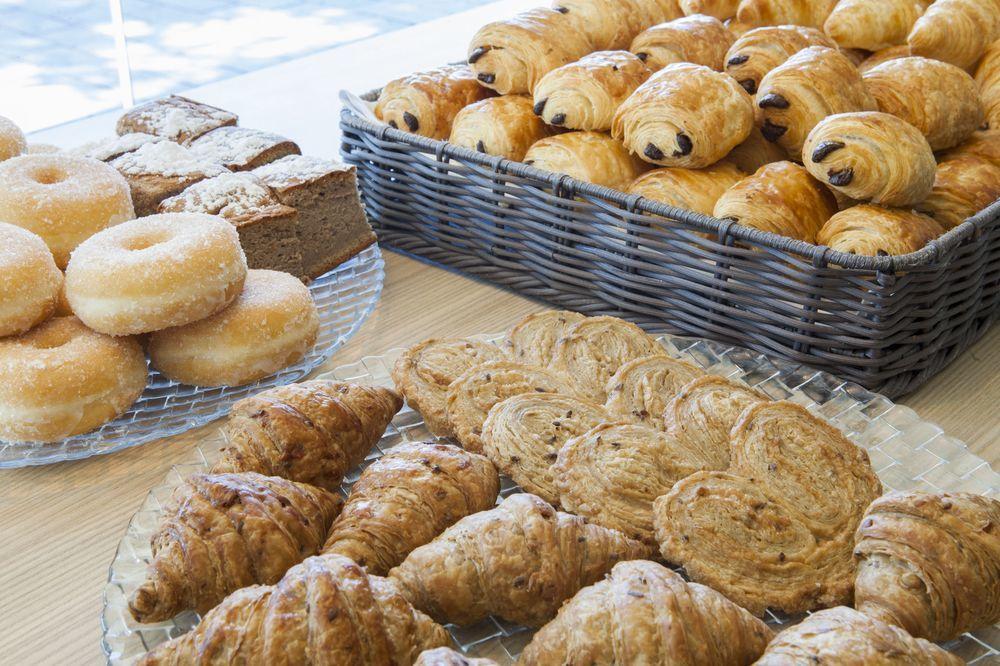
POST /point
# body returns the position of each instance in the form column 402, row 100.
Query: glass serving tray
column 344, row 297
column 907, row 453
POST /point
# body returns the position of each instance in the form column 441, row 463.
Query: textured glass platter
column 344, row 297
column 907, row 453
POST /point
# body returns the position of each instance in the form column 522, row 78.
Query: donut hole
column 52, row 339
column 146, row 241
column 48, row 175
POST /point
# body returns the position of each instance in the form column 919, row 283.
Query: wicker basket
column 888, row 323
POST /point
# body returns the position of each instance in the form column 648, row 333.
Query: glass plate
column 907, row 453
column 344, row 297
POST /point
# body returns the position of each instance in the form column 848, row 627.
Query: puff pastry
column 871, row 156
column 988, row 80
column 962, row 187
column 781, row 198
column 814, row 83
column 640, row 389
column 425, row 370
column 872, row 25
column 984, row 144
column 884, row 55
column 702, row 40
column 760, row 50
column 644, row 613
column 930, row 563
column 222, row 532
column 846, row 637
column 611, row 24
column 869, row 230
column 685, row 116
column 939, row 99
column 325, row 610
column 533, row 339
column 406, row 498
column 447, row 657
column 506, row 126
column 811, row 13
column 522, row 436
column 585, row 94
column 592, row 157
column 956, row 31
column 755, row 152
column 720, row 9
column 425, row 103
column 692, row 189
column 519, row 561
column 314, row 432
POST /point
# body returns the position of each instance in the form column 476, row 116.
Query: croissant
column 519, row 561
column 584, row 95
column 720, row 9
column 956, row 31
column 506, row 126
column 448, row 657
column 842, row 635
column 810, row 13
column 408, row 497
column 693, row 189
column 781, row 198
column 324, row 611
column 930, row 563
column 984, row 144
column 947, row 117
column 685, row 116
column 639, row 390
column 426, row 102
column 702, row 40
column 222, row 532
column 313, row 432
column 760, row 50
column 592, row 157
column 988, row 80
column 644, row 613
column 962, row 187
column 871, row 156
column 533, row 339
column 872, row 24
column 885, row 55
column 755, row 152
column 611, row 24
column 796, row 95
column 869, row 230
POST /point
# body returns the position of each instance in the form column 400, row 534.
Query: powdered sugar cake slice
column 175, row 118
column 242, row 148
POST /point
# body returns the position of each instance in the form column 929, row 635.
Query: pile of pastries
column 630, row 461
column 869, row 127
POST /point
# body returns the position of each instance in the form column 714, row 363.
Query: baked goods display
column 758, row 51
column 988, row 80
column 698, row 39
column 242, row 148
column 12, row 141
column 174, row 118
column 612, row 25
column 872, row 25
column 427, row 102
column 30, row 282
column 962, row 186
column 693, row 189
column 639, row 389
column 956, row 31
column 870, row 230
column 810, row 13
column 592, row 157
column 506, row 126
column 533, row 340
column 162, row 169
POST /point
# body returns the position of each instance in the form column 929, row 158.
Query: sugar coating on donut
column 12, row 141
column 168, row 159
column 114, row 146
column 30, row 281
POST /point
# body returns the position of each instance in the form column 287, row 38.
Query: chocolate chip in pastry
column 872, row 230
column 425, row 103
column 885, row 55
column 871, row 156
column 988, row 80
column 533, row 339
column 956, row 31
column 963, row 186
column 447, row 657
column 810, row 13
column 585, row 94
column 685, row 116
column 872, row 25
column 701, row 40
column 640, row 389
column 611, row 24
column 984, row 144
column 760, row 50
column 593, row 157
column 691, row 189
column 720, row 9
column 755, row 152
column 506, row 126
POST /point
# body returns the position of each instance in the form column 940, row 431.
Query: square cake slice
column 332, row 223
column 175, row 118
column 242, row 148
column 268, row 230
column 160, row 170
column 108, row 149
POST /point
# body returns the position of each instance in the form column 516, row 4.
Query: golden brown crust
column 506, row 126
column 611, row 24
column 956, row 31
column 872, row 24
column 869, row 230
column 988, row 80
column 425, row 103
column 963, row 186
column 644, row 613
column 701, row 40
column 984, row 144
column 519, row 561
column 592, row 157
column 222, row 532
column 810, row 13
column 406, row 498
column 760, row 50
column 533, row 339
column 884, row 55
column 720, row 9
column 755, row 152
column 930, row 563
column 447, row 657
column 692, row 189
column 685, row 115
column 871, row 156
column 640, row 389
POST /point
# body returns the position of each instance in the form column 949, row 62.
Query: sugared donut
column 63, row 199
column 30, row 282
column 62, row 379
column 12, row 141
column 270, row 326
column 155, row 272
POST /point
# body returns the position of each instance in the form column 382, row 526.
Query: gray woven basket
column 888, row 323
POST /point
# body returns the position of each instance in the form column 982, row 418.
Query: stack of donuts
column 870, row 127
column 71, row 345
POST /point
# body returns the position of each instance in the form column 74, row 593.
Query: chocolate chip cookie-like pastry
column 810, row 13
column 720, row 9
column 842, row 636
column 505, row 126
column 447, row 657
column 593, row 157
column 885, row 55
column 425, row 103
column 930, row 563
column 585, row 94
column 755, row 152
column 612, row 24
column 701, row 40
column 963, row 186
column 814, row 83
column 871, row 156
column 522, row 436
column 872, row 25
column 984, row 144
column 685, row 116
column 691, row 189
column 644, row 613
column 956, row 31
column 988, row 80
column 760, row 50
column 533, row 339
column 781, row 198
column 868, row 229
column 640, row 389
column 940, row 100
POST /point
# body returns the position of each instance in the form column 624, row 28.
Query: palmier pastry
column 814, row 83
column 692, row 189
column 701, row 40
column 685, row 116
column 962, row 187
column 720, row 9
column 843, row 636
column 872, row 24
column 984, row 144
column 640, row 389
column 522, row 436
column 956, row 31
column 506, row 126
column 533, row 339
column 988, row 80
column 781, row 198
column 611, row 24
column 425, row 103
column 885, row 55
column 811, row 13
column 871, row 156
column 585, row 94
column 946, row 116
column 760, row 50
column 755, row 152
column 869, row 230
column 930, row 563
column 592, row 157
column 644, row 613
